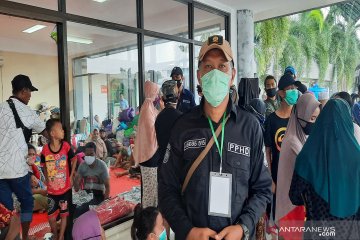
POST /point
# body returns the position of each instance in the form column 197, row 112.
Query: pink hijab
column 293, row 142
column 145, row 141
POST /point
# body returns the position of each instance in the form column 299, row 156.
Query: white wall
column 99, row 99
column 42, row 70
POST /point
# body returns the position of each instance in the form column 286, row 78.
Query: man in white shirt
column 17, row 121
column 124, row 104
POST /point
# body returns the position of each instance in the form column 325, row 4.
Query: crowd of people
column 43, row 183
column 234, row 167
column 297, row 183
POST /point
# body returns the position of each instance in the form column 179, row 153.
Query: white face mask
column 89, row 160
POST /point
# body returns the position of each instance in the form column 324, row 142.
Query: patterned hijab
column 330, row 160
column 294, row 141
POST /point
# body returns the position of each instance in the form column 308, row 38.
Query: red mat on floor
column 121, row 184
column 39, row 218
column 117, row 185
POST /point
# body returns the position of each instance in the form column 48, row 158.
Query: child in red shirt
column 58, row 159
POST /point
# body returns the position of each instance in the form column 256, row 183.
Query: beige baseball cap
column 216, row 42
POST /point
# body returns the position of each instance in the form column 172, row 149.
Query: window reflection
column 123, row 12
column 196, row 82
column 207, row 24
column 159, row 62
column 110, row 66
column 50, row 4
column 35, row 55
column 166, row 16
column 106, row 98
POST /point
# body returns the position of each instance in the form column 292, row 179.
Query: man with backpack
column 17, row 121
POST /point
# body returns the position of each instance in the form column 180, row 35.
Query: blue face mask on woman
column 162, row 235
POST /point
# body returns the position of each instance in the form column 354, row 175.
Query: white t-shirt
column 357, row 132
column 13, row 148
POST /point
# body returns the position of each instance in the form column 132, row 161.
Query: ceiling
column 265, row 9
column 171, row 18
column 168, row 17
column 12, row 39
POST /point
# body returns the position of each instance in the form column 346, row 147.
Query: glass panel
column 207, row 24
column 50, row 4
column 99, row 95
column 124, row 84
column 82, row 107
column 123, row 12
column 109, row 58
column 32, row 54
column 196, row 82
column 166, row 16
column 159, row 63
column 104, row 75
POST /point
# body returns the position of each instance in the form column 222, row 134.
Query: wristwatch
column 246, row 235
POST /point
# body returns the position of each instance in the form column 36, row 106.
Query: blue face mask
column 215, row 86
column 162, row 235
column 291, row 96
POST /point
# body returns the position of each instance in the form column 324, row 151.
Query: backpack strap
column 199, row 159
column 19, row 123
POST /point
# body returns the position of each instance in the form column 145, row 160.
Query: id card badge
column 220, row 188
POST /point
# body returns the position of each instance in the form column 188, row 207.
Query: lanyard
column 222, row 138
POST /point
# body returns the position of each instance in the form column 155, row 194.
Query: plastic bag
column 122, row 126
column 120, row 136
column 128, row 132
column 134, row 122
column 127, row 115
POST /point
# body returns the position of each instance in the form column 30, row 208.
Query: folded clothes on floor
column 133, row 196
column 81, row 197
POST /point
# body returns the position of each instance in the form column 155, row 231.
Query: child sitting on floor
column 128, row 166
column 39, row 192
column 122, row 159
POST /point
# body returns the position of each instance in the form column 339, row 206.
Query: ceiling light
column 34, row 28
column 100, row 1
column 79, row 40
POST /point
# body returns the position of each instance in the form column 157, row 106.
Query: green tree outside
column 308, row 37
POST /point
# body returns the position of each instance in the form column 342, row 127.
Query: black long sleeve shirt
column 163, row 125
column 242, row 157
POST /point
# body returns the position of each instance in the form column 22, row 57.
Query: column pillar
column 246, row 61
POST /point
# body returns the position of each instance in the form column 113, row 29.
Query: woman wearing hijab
column 87, row 227
column 326, row 178
column 356, row 113
column 302, row 118
column 356, row 116
column 146, row 146
column 96, row 123
column 349, row 100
